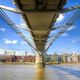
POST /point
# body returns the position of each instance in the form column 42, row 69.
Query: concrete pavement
column 28, row 72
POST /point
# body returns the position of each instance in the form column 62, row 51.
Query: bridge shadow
column 68, row 70
column 39, row 74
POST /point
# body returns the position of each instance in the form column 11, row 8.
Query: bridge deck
column 39, row 21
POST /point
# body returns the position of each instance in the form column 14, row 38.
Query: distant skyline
column 69, row 41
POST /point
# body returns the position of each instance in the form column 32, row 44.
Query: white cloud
column 64, row 35
column 23, row 42
column 60, row 18
column 75, row 41
column 23, row 25
column 7, row 41
column 72, row 27
column 2, row 29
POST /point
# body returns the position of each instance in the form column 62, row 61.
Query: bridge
column 40, row 16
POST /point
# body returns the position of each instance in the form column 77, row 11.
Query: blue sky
column 69, row 41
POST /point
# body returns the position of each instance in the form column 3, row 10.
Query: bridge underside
column 40, row 19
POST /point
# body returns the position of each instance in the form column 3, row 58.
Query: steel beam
column 16, row 10
column 70, row 9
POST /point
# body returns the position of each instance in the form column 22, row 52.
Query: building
column 21, row 56
column 69, row 58
column 64, row 58
column 54, row 58
column 75, row 58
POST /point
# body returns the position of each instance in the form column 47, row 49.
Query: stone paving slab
column 29, row 72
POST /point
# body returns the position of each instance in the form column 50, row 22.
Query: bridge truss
column 51, row 38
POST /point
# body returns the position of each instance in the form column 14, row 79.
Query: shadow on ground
column 68, row 70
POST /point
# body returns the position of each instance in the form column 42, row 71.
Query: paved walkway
column 65, row 72
column 28, row 72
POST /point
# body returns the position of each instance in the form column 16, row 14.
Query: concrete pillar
column 39, row 61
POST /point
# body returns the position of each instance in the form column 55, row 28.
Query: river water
column 29, row 72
